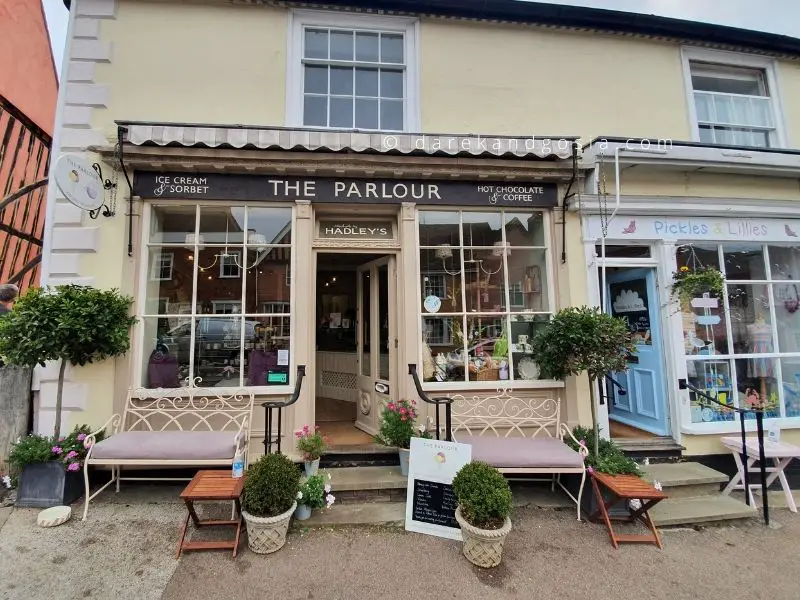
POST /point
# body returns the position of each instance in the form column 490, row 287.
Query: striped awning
column 277, row 138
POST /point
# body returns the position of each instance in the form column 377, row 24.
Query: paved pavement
column 126, row 551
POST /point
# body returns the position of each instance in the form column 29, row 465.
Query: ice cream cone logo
column 440, row 458
column 73, row 176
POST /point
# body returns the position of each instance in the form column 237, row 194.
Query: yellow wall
column 651, row 182
column 789, row 84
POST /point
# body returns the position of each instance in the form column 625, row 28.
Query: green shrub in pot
column 483, row 495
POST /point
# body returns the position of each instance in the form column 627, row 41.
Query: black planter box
column 572, row 482
column 47, row 484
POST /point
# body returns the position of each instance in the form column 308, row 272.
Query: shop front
column 747, row 337
column 243, row 277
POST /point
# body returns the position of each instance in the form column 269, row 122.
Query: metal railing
column 759, row 413
column 270, row 406
column 438, row 403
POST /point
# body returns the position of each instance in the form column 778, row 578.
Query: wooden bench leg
column 183, row 536
column 604, row 513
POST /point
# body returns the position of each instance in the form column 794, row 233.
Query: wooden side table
column 624, row 488
column 214, row 486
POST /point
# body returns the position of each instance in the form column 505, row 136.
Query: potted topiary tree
column 269, row 498
column 69, row 324
column 484, row 505
column 579, row 339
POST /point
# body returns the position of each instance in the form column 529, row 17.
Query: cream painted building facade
column 242, row 137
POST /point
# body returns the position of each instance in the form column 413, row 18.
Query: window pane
column 703, row 105
column 787, row 315
column 366, row 336
column 170, row 276
column 267, row 351
column 383, row 315
column 367, row 114
column 341, row 112
column 750, row 319
column 743, row 262
column 785, row 260
column 391, row 48
column 482, row 228
column 761, row 139
column 342, row 81
column 221, row 225
column 741, row 111
column 746, row 82
column 269, row 225
column 316, row 80
column 211, row 286
column 706, row 134
column 759, row 375
column 723, row 107
column 315, row 111
column 316, row 43
column 484, row 335
column 704, row 329
column 269, row 280
column 392, row 115
column 171, row 224
column 524, row 229
column 437, row 228
column 615, row 251
column 391, row 84
column 697, row 256
column 442, row 349
column 341, row 45
column 762, row 112
column 790, row 368
column 436, row 281
column 527, row 278
column 714, row 378
column 523, row 329
column 217, row 350
column 723, row 135
column 484, row 281
column 167, row 344
column 367, row 47
column 367, row 82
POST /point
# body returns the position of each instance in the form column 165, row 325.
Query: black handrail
column 279, row 405
column 437, row 402
column 759, row 412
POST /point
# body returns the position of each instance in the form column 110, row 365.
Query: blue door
column 631, row 295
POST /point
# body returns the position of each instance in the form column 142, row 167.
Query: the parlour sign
column 216, row 186
column 355, row 230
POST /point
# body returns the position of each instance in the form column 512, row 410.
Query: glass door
column 376, row 340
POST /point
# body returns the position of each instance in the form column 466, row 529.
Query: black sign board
column 434, row 503
column 216, row 186
column 630, row 301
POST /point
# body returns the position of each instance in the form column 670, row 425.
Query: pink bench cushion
column 522, row 453
column 168, row 445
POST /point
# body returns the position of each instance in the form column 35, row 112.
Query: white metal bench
column 519, row 436
column 171, row 428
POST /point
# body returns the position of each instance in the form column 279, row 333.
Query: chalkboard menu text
column 434, row 503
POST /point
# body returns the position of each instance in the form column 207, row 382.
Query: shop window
column 749, row 338
column 353, row 72
column 223, row 317
column 734, row 104
column 484, row 293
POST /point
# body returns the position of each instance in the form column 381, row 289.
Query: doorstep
column 364, row 514
column 368, row 484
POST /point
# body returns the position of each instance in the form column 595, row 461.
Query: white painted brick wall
column 78, row 116
column 81, row 138
column 68, row 214
column 65, row 263
column 97, row 8
column 91, row 50
column 80, row 71
column 75, row 238
column 87, row 94
column 87, row 28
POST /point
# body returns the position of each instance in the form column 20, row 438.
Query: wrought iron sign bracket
column 105, row 210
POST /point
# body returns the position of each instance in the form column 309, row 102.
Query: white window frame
column 158, row 265
column 734, row 60
column 237, row 264
column 300, row 19
column 442, row 282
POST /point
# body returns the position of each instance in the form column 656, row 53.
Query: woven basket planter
column 483, row 547
column 267, row 534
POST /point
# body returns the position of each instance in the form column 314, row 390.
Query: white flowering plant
column 315, row 492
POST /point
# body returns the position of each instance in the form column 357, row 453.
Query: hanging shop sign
column 430, row 501
column 216, row 186
column 78, row 181
column 355, row 230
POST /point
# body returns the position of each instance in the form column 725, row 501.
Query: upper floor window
column 734, row 99
column 352, row 72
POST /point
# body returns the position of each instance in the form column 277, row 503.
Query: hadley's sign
column 215, row 186
column 355, row 230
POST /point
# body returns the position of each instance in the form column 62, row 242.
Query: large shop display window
column 483, row 294
column 749, row 338
column 217, row 304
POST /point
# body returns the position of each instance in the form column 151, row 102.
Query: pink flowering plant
column 311, row 443
column 398, row 425
column 68, row 450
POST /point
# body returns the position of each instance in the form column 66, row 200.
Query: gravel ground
column 126, row 551
column 549, row 555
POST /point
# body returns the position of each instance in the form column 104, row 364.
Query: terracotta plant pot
column 483, row 547
column 267, row 534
